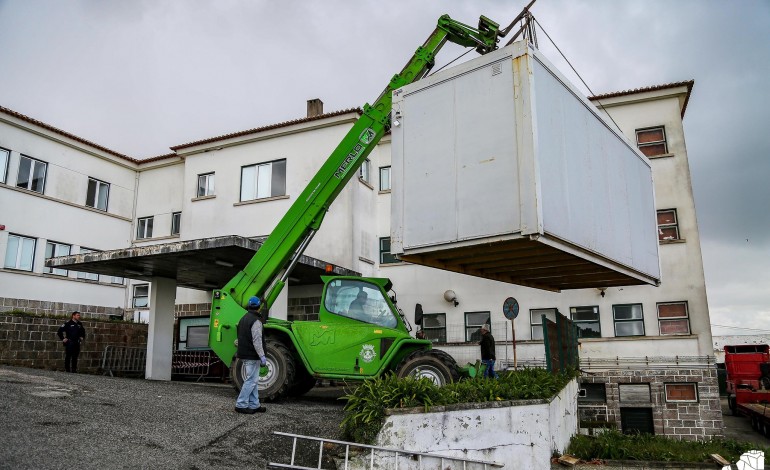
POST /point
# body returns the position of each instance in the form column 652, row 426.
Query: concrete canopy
column 203, row 264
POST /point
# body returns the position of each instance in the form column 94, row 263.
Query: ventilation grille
column 497, row 68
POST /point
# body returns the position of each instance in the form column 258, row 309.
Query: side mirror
column 418, row 314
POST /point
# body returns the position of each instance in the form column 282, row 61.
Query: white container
column 503, row 170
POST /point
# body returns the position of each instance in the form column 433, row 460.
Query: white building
column 60, row 194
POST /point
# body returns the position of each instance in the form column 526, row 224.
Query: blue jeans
column 490, row 370
column 249, row 396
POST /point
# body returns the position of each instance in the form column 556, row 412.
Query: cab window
column 359, row 300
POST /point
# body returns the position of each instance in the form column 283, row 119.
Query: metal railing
column 647, row 362
column 408, row 456
column 123, row 360
column 192, row 363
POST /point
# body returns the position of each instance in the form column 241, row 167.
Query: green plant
column 366, row 405
column 613, row 445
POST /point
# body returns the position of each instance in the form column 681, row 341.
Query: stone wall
column 41, row 307
column 692, row 418
column 28, row 341
column 192, row 310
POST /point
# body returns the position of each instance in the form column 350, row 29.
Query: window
column 87, row 276
column 205, row 185
column 592, row 393
column 652, row 141
column 98, row 192
column 682, row 392
column 637, row 421
column 668, row 227
column 629, row 320
column 536, row 320
column 587, row 321
column 473, row 322
column 116, row 280
column 673, row 318
column 144, row 228
column 56, row 249
column 634, row 393
column 194, row 333
column 20, row 253
column 434, row 326
column 5, row 156
column 364, row 171
column 359, row 300
column 176, row 220
column 385, row 256
column 141, row 296
column 385, row 178
column 31, row 174
column 263, row 180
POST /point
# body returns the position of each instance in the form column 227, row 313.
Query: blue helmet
column 254, row 303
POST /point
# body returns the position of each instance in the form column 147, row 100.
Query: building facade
column 647, row 352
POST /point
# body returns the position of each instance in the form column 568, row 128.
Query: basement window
column 682, row 392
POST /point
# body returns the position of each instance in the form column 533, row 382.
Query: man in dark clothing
column 251, row 352
column 488, row 352
column 72, row 334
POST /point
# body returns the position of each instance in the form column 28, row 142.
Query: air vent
column 497, row 69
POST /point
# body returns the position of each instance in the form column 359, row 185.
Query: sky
column 141, row 76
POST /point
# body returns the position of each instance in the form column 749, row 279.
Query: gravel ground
column 59, row 420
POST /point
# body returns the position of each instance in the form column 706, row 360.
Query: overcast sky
column 140, row 76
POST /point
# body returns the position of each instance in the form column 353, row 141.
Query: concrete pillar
column 160, row 333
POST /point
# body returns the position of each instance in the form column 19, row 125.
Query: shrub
column 366, row 405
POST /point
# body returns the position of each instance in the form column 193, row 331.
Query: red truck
column 748, row 383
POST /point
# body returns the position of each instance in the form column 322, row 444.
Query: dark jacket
column 487, row 347
column 251, row 341
column 73, row 331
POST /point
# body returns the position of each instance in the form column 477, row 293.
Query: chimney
column 315, row 107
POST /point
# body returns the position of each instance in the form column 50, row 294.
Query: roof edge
column 688, row 83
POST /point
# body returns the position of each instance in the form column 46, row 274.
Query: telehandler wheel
column 304, row 382
column 731, row 403
column 281, row 372
column 435, row 365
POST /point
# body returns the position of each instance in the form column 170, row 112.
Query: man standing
column 488, row 352
column 72, row 334
column 251, row 351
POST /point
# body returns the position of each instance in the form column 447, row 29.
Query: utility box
column 501, row 169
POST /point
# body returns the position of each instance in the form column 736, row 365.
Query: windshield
column 359, row 300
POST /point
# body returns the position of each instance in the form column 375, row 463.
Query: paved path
column 59, row 420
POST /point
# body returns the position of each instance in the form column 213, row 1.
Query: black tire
column 732, row 405
column 281, row 372
column 304, row 382
column 435, row 365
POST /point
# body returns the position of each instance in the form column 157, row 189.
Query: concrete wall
column 520, row 434
column 32, row 341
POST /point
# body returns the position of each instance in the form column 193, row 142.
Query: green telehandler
column 360, row 333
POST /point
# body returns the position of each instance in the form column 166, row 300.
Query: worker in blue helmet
column 251, row 351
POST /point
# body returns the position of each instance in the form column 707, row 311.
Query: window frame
column 83, row 276
column 595, row 308
column 441, row 329
column 32, row 171
column 639, row 320
column 255, row 186
column 19, row 252
column 384, row 254
column 533, row 326
column 209, row 188
column 662, row 320
column 385, row 170
column 55, row 245
column 4, row 167
column 142, row 234
column 679, row 384
column 652, row 143
column 176, row 222
column 134, row 296
column 365, row 171
column 674, row 225
column 475, row 335
column 99, row 184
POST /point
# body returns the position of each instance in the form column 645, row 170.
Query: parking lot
column 60, row 420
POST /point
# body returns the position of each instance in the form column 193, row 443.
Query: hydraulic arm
column 267, row 272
